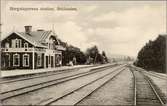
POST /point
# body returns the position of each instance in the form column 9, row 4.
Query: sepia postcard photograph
column 81, row 52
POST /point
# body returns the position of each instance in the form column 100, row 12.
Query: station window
column 25, row 45
column 26, row 60
column 16, row 60
column 39, row 60
column 16, row 43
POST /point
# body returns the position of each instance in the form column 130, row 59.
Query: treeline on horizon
column 153, row 55
column 74, row 54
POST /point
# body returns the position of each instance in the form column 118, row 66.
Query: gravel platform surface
column 118, row 91
column 161, row 83
column 54, row 91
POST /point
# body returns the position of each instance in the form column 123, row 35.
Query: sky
column 117, row 27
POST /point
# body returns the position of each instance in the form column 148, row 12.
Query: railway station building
column 31, row 50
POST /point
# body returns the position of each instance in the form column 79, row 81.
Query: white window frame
column 18, row 59
column 25, row 44
column 24, row 60
column 39, row 63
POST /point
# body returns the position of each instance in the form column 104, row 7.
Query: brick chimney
column 28, row 29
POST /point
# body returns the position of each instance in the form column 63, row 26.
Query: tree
column 152, row 56
column 93, row 53
column 104, row 56
column 72, row 53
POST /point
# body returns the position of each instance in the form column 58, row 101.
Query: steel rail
column 154, row 90
column 39, row 76
column 69, row 93
column 157, row 75
column 160, row 74
column 100, row 86
column 38, row 86
column 52, row 80
column 134, row 83
column 153, row 73
column 151, row 86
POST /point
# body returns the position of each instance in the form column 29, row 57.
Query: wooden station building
column 31, row 50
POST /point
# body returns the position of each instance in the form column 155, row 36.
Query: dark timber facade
column 31, row 50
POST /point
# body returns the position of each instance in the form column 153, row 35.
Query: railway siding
column 5, row 87
column 101, row 85
column 146, row 91
column 57, row 90
column 82, row 93
column 41, row 85
column 160, row 85
column 158, row 81
column 117, row 91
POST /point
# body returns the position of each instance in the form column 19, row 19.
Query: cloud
column 90, row 8
column 73, row 34
column 135, row 26
column 115, row 27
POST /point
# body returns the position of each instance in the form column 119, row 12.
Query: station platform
column 17, row 72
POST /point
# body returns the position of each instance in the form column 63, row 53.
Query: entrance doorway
column 46, row 61
column 7, row 61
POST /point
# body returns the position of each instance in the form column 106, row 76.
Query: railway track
column 46, row 74
column 160, row 74
column 38, row 76
column 77, row 95
column 156, row 75
column 152, row 73
column 145, row 92
column 12, row 93
column 9, row 86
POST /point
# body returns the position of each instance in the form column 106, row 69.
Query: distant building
column 31, row 50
